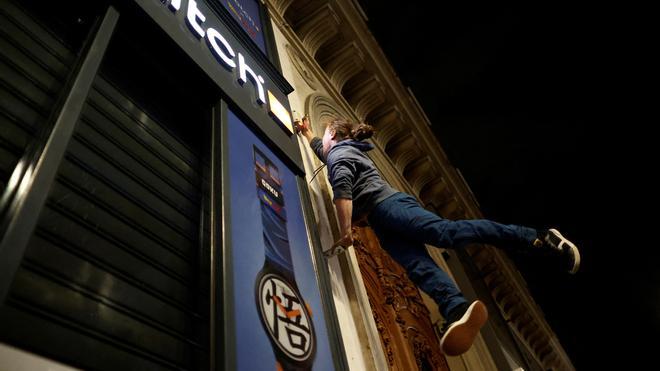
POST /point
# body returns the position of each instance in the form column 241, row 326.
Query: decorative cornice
column 436, row 190
column 280, row 6
column 453, row 209
column 403, row 151
column 343, row 64
column 364, row 93
column 318, row 27
column 522, row 313
column 419, row 173
column 388, row 125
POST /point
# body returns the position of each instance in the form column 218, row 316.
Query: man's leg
column 422, row 270
column 462, row 320
column 403, row 215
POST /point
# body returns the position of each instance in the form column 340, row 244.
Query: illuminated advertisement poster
column 246, row 12
column 279, row 321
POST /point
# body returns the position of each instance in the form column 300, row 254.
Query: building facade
column 158, row 212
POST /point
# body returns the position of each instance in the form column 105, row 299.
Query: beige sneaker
column 460, row 334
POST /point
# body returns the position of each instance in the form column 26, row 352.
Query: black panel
column 33, row 67
column 116, row 275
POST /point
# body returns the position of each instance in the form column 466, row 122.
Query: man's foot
column 464, row 325
column 557, row 244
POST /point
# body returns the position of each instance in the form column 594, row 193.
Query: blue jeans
column 403, row 226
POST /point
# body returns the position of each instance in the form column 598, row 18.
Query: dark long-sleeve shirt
column 353, row 175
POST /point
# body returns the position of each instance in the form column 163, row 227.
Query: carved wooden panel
column 401, row 317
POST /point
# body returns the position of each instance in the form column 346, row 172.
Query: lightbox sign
column 231, row 61
column 247, row 14
column 276, row 310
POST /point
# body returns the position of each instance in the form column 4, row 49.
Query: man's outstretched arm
column 344, row 213
column 315, row 143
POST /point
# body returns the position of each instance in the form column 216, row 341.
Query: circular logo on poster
column 286, row 317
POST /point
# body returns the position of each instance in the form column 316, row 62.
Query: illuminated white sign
column 279, row 112
column 225, row 55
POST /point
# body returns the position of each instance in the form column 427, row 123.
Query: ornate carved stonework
column 401, row 317
column 301, row 66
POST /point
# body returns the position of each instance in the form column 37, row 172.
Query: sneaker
column 565, row 248
column 464, row 324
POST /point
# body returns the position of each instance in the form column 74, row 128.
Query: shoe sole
column 574, row 250
column 461, row 334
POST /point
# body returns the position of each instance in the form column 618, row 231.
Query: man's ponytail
column 362, row 131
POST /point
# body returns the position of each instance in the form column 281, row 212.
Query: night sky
column 519, row 98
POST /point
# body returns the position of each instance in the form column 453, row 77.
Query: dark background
column 524, row 99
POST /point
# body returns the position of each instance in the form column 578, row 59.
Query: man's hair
column 347, row 130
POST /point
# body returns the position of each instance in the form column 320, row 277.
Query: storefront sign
column 233, row 62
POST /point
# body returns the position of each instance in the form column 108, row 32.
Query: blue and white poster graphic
column 247, row 14
column 277, row 304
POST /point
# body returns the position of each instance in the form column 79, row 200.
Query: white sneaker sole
column 574, row 250
column 461, row 334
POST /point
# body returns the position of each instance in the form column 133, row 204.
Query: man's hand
column 345, row 241
column 339, row 246
column 303, row 127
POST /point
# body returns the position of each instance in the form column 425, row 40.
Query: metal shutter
column 115, row 276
